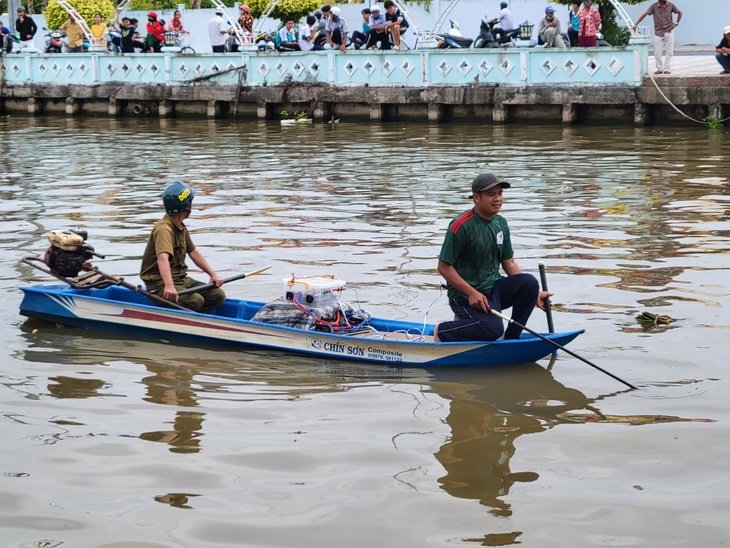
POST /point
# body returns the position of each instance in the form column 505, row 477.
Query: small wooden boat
column 396, row 343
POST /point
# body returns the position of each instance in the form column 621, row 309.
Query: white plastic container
column 314, row 291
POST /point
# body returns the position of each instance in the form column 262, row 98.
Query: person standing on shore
column 590, row 22
column 26, row 28
column 573, row 23
column 722, row 53
column 218, row 31
column 664, row 26
column 74, row 35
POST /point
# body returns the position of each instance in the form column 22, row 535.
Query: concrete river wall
column 490, row 86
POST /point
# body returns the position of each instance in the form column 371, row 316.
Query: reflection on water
column 485, row 421
column 303, row 451
column 485, row 411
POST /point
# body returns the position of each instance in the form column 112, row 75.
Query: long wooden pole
column 561, row 347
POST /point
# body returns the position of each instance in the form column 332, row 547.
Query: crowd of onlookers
column 123, row 34
column 325, row 28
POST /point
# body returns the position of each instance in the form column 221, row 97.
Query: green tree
column 614, row 31
column 56, row 15
column 295, row 9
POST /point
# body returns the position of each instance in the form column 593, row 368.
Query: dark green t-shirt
column 476, row 248
column 173, row 239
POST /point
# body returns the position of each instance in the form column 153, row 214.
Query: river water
column 155, row 443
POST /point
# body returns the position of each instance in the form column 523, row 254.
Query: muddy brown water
column 154, row 443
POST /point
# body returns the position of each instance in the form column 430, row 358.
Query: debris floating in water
column 648, row 319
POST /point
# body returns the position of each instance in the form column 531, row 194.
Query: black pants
column 378, row 36
column 291, row 46
column 518, row 291
column 337, row 37
column 219, row 49
column 360, row 39
column 573, row 35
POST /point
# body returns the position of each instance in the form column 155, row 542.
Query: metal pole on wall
column 12, row 14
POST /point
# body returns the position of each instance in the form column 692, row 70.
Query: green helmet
column 178, row 197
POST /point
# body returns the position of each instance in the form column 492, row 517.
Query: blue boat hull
column 394, row 343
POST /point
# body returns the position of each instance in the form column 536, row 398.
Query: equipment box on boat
column 313, row 290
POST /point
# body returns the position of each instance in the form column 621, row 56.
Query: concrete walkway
column 692, row 62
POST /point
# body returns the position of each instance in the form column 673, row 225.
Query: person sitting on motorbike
column 155, row 32
column 99, row 31
column 377, row 29
column 75, row 35
column 246, row 20
column 502, row 23
column 176, row 23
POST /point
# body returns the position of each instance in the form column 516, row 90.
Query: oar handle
column 197, row 288
column 546, row 301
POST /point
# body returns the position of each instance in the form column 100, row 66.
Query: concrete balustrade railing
column 511, row 67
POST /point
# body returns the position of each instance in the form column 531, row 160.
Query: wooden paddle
column 197, row 288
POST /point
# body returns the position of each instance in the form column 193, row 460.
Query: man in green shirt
column 163, row 264
column 477, row 243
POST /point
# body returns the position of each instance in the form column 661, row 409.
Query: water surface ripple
column 154, row 443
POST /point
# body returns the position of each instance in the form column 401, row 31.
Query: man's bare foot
column 436, row 334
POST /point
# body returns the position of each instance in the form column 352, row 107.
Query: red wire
column 334, row 324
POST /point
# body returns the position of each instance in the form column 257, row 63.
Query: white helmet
column 374, row 7
column 726, row 30
column 335, row 11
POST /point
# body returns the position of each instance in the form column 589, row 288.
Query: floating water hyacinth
column 648, row 319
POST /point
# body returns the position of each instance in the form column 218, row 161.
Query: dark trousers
column 219, row 49
column 378, row 36
column 573, row 36
column 125, row 47
column 153, row 43
column 337, row 37
column 360, row 38
column 518, row 292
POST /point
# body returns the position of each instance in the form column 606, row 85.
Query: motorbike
column 54, row 42
column 453, row 39
column 11, row 43
column 491, row 37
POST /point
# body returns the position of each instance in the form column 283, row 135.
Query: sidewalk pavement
column 692, row 64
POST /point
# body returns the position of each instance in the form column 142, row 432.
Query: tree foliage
column 57, row 16
column 296, row 9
